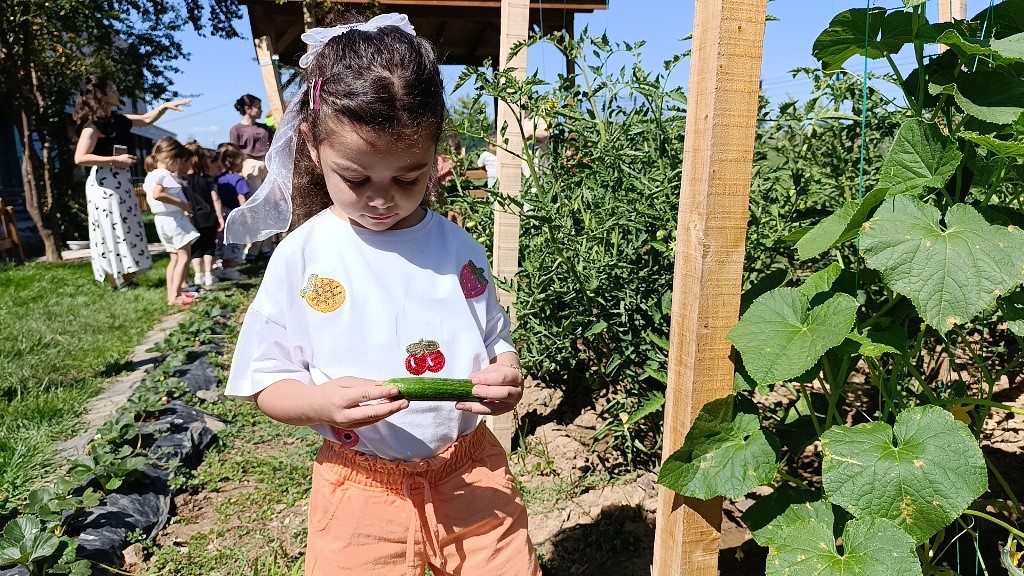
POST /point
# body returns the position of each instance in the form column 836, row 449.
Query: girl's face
column 255, row 111
column 374, row 182
column 112, row 98
column 178, row 167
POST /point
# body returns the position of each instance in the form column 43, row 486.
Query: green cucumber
column 429, row 388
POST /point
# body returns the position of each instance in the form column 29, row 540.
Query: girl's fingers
column 498, row 393
column 372, row 413
column 485, row 408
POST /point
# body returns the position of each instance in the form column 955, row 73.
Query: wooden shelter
column 465, row 32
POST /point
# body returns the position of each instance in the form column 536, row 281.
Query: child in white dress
column 171, row 212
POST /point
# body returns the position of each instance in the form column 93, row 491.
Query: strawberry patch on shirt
column 472, row 280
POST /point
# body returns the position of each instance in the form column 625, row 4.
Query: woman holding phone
column 117, row 239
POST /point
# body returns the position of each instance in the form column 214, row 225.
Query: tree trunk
column 43, row 216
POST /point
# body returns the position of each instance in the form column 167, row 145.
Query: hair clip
column 314, row 89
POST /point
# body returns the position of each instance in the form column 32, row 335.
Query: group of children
column 191, row 193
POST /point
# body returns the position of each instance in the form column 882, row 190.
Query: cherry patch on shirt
column 323, row 294
column 472, row 280
column 347, row 438
column 424, row 356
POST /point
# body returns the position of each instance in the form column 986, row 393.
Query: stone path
column 103, row 407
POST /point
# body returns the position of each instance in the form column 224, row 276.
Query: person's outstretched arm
column 147, row 119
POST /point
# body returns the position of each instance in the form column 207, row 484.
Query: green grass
column 63, row 336
column 257, row 470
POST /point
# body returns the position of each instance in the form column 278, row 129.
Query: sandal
column 184, row 301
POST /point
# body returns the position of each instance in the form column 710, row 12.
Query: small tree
column 48, row 46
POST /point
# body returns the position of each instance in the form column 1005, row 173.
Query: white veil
column 269, row 210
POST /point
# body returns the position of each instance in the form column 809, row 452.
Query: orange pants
column 458, row 512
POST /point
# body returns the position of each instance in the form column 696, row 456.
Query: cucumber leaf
column 921, row 474
column 950, row 272
column 725, row 453
column 780, row 336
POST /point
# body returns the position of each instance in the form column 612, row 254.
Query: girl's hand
column 123, row 161
column 499, row 385
column 343, row 398
column 177, row 105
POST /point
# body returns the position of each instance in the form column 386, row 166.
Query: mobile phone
column 119, row 149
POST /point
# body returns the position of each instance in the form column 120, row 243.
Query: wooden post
column 950, row 10
column 265, row 56
column 725, row 69
column 515, row 25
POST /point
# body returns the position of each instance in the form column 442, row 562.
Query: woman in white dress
column 117, row 239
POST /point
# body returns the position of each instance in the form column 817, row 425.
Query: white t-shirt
column 490, row 163
column 172, row 186
column 338, row 300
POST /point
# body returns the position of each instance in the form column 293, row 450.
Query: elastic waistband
column 352, row 466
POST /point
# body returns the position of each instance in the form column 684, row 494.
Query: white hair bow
column 269, row 210
column 315, row 38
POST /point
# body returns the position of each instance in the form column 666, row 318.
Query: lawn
column 64, row 335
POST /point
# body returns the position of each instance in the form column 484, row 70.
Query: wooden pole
column 950, row 10
column 265, row 56
column 515, row 25
column 725, row 68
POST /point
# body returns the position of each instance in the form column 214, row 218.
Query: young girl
column 369, row 285
column 201, row 190
column 172, row 212
column 233, row 191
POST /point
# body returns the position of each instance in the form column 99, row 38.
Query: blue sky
column 222, row 70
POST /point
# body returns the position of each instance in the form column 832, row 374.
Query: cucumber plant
column 913, row 291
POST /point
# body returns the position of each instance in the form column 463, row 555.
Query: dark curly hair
column 89, row 105
column 246, row 101
column 386, row 81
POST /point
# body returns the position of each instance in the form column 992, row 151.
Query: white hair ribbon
column 269, row 210
column 315, row 38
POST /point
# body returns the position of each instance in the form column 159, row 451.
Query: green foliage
column 922, row 266
column 107, row 468
column 598, row 217
column 870, row 547
column 803, row 154
column 36, row 524
column 725, row 452
column 921, row 474
column 27, row 542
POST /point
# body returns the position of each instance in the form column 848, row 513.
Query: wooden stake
column 515, row 25
column 265, row 57
column 950, row 10
column 725, row 69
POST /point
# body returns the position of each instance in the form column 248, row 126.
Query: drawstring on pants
column 428, row 526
